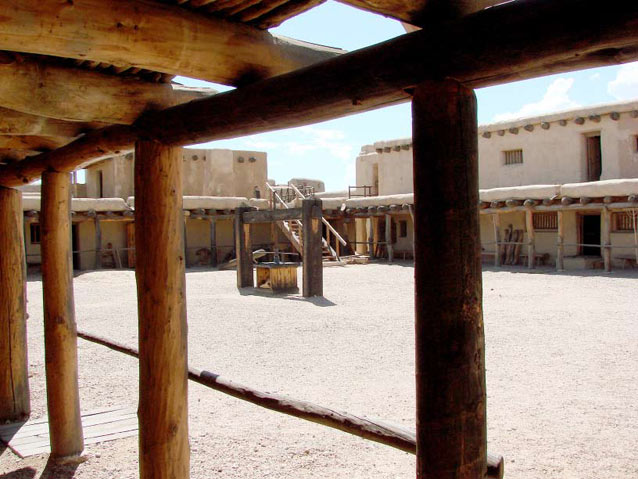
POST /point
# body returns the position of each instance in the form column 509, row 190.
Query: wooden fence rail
column 388, row 434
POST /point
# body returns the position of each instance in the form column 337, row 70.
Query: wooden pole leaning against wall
column 312, row 247
column 450, row 350
column 243, row 250
column 14, row 382
column 161, row 297
column 60, row 333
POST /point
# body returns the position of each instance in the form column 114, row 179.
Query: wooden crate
column 277, row 277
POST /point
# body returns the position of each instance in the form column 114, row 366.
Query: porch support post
column 243, row 250
column 161, row 299
column 605, row 238
column 388, row 238
column 60, row 332
column 560, row 253
column 496, row 220
column 312, row 247
column 531, row 239
column 14, row 382
column 450, row 351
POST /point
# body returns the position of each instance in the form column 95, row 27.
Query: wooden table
column 277, row 277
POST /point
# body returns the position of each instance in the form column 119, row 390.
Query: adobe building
column 561, row 187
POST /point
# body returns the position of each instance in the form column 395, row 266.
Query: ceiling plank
column 34, row 143
column 66, row 93
column 378, row 76
column 154, row 36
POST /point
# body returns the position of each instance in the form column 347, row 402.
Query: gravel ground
column 562, row 357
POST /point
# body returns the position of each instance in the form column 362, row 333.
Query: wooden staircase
column 293, row 229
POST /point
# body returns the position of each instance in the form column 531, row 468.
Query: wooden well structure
column 122, row 55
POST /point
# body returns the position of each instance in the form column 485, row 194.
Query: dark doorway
column 594, row 158
column 75, row 246
column 591, row 234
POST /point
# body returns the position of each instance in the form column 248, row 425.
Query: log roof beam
column 154, row 36
column 51, row 90
column 381, row 75
column 14, row 122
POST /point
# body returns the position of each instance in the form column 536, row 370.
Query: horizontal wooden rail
column 387, row 434
column 269, row 216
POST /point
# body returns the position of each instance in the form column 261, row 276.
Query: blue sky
column 328, row 150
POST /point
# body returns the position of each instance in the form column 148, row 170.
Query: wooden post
column 14, row 382
column 605, row 238
column 312, row 251
column 560, row 265
column 388, row 238
column 161, row 299
column 213, row 241
column 450, row 350
column 371, row 237
column 496, row 220
column 184, row 226
column 60, row 342
column 531, row 239
column 98, row 243
column 243, row 250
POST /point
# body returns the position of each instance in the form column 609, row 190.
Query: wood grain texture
column 375, row 430
column 531, row 239
column 312, row 247
column 243, row 250
column 64, row 93
column 14, row 382
column 154, row 36
column 161, row 297
column 63, row 399
column 450, row 344
column 560, row 254
column 14, row 122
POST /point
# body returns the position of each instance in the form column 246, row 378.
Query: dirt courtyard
column 561, row 355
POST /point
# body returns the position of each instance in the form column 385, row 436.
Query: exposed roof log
column 18, row 123
column 381, row 75
column 36, row 143
column 153, row 36
column 50, row 90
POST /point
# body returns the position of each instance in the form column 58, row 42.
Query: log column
column 213, row 241
column 388, row 238
column 243, row 250
column 14, row 382
column 560, row 266
column 496, row 220
column 161, row 296
column 531, row 239
column 605, row 238
column 312, row 248
column 60, row 341
column 450, row 351
column 371, row 237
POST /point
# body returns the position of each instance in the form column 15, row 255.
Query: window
column 35, row 233
column 513, row 157
column 403, row 229
column 545, row 221
column 625, row 221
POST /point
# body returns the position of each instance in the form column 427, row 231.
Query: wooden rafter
column 380, row 75
column 153, row 36
column 14, row 122
column 50, row 90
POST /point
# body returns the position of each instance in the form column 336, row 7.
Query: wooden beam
column 450, row 345
column 14, row 122
column 388, row 237
column 60, row 343
column 531, row 238
column 14, row 378
column 312, row 252
column 510, row 49
column 560, row 254
column 98, row 242
column 380, row 431
column 243, row 250
column 496, row 221
column 65, row 93
column 33, row 143
column 605, row 238
column 268, row 216
column 213, row 241
column 163, row 405
column 154, row 36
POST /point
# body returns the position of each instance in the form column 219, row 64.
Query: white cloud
column 625, row 85
column 595, row 77
column 556, row 98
